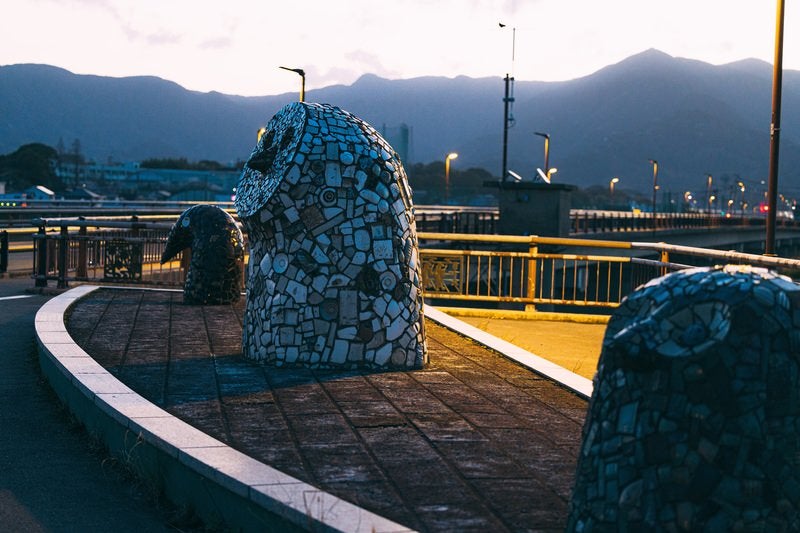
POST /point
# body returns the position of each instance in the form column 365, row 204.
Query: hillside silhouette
column 693, row 117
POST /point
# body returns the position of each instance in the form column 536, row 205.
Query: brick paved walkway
column 474, row 442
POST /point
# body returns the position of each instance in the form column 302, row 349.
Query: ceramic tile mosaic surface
column 694, row 424
column 334, row 275
column 214, row 275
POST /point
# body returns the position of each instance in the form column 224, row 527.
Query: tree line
column 36, row 164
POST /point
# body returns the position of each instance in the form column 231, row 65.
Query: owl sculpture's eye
column 693, row 329
column 262, row 160
column 688, row 330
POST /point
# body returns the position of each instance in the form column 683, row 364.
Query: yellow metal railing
column 524, row 277
column 453, row 270
column 528, row 277
column 521, row 270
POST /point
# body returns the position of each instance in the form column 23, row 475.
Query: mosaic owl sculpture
column 334, row 274
column 214, row 275
column 694, row 424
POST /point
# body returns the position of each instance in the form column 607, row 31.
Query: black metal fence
column 80, row 250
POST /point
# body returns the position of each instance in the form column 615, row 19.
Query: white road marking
column 16, row 297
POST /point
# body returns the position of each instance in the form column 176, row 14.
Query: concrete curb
column 543, row 316
column 222, row 485
column 559, row 374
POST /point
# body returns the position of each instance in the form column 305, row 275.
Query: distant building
column 39, row 192
column 83, row 194
column 132, row 172
column 400, row 139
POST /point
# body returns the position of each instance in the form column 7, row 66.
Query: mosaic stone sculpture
column 214, row 275
column 334, row 275
column 694, row 424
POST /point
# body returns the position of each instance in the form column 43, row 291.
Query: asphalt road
column 51, row 478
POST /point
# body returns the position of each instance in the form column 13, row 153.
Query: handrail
column 522, row 239
column 661, row 247
column 527, row 270
column 95, row 223
column 729, row 255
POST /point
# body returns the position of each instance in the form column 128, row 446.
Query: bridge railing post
column 40, row 257
column 664, row 259
column 3, row 252
column 82, row 266
column 63, row 247
column 533, row 249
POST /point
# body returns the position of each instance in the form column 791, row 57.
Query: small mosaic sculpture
column 694, row 424
column 214, row 275
column 334, row 274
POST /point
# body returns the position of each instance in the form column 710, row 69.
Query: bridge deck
column 473, row 442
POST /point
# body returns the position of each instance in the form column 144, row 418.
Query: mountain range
column 693, row 117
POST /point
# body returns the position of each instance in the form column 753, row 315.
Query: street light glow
column 546, row 137
column 655, row 183
column 450, row 156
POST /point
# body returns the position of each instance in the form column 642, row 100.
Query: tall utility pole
column 508, row 100
column 775, row 133
column 507, row 121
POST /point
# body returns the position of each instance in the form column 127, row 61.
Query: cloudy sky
column 236, row 46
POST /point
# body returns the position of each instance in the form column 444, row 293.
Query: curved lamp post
column 451, row 155
column 611, row 184
column 655, row 186
column 302, row 74
column 546, row 138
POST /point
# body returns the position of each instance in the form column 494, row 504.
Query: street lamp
column 302, row 74
column 546, row 177
column 546, row 138
column 708, row 193
column 611, row 184
column 451, row 155
column 741, row 188
column 655, row 186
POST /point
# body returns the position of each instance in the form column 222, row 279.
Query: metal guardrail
column 523, row 270
column 116, row 251
column 536, row 277
column 588, row 221
column 457, row 219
